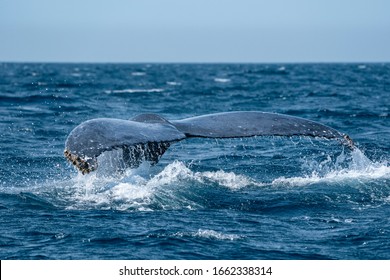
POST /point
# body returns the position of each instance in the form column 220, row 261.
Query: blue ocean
column 246, row 198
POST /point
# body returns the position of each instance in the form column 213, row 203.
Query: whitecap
column 221, row 80
column 173, row 83
column 138, row 73
column 206, row 234
column 134, row 90
column 60, row 235
column 202, row 233
column 212, row 234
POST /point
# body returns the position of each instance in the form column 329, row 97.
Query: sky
column 211, row 31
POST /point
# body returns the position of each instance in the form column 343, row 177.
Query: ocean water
column 250, row 198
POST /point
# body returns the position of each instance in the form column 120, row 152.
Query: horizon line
column 192, row 62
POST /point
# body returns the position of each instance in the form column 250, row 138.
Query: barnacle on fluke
column 83, row 165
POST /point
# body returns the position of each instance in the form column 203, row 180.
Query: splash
column 175, row 187
column 359, row 168
column 178, row 171
column 179, row 186
column 228, row 179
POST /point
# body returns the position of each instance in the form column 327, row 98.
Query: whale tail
column 146, row 137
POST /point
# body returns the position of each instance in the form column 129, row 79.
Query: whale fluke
column 147, row 136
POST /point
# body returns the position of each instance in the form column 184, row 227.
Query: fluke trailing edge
column 146, row 137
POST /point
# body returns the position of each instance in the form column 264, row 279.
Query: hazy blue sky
column 195, row 30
